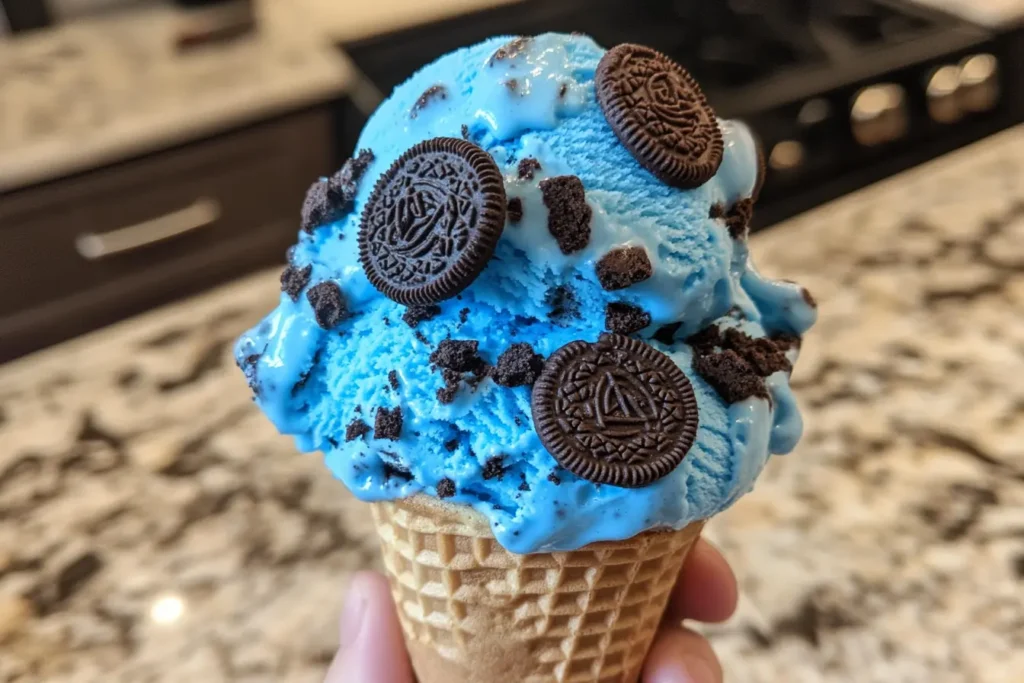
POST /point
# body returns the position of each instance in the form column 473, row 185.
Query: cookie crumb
column 737, row 220
column 568, row 212
column 509, row 50
column 422, row 338
column 328, row 303
column 554, row 479
column 330, row 199
column 459, row 355
column 464, row 315
column 393, row 379
column 416, row 314
column 294, row 280
column 787, row 341
column 514, row 210
column 434, row 92
column 808, row 297
column 494, row 467
column 518, row 366
column 451, row 445
column 527, row 167
column 445, row 488
column 396, row 471
column 730, row 375
column 765, row 355
column 622, row 267
column 563, row 303
column 625, row 318
column 356, row 429
column 666, row 334
column 388, row 424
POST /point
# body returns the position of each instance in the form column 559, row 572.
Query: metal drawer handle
column 199, row 214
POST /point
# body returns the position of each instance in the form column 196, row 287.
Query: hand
column 372, row 649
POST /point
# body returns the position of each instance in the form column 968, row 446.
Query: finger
column 706, row 589
column 681, row 656
column 372, row 647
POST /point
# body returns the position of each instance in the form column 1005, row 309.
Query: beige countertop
column 349, row 21
column 156, row 528
column 987, row 12
column 100, row 90
column 95, row 91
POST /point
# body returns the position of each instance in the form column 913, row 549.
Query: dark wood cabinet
column 81, row 252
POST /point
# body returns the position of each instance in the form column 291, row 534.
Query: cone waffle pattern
column 472, row 611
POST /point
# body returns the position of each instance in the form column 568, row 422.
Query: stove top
column 734, row 43
column 839, row 91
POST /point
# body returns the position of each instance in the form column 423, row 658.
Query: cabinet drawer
column 110, row 241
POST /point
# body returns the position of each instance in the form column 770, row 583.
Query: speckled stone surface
column 137, row 480
column 99, row 90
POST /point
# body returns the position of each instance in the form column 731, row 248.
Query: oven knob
column 879, row 114
column 979, row 82
column 942, row 90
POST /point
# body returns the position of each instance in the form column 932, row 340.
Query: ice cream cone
column 473, row 612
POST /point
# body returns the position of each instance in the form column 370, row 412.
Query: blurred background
column 153, row 158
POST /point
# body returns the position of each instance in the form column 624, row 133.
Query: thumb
column 372, row 649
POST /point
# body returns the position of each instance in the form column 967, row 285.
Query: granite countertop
column 153, row 527
column 95, row 91
column 100, row 90
column 344, row 22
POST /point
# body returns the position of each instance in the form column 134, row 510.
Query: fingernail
column 352, row 616
column 693, row 670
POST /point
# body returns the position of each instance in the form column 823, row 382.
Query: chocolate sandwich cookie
column 659, row 113
column 432, row 222
column 615, row 412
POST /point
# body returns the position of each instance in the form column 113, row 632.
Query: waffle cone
column 473, row 612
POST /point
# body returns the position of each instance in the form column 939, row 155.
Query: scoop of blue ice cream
column 363, row 388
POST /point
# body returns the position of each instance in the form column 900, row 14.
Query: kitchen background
column 153, row 158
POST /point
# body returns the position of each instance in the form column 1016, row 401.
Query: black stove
column 841, row 92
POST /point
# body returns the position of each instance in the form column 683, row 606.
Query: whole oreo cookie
column 616, row 412
column 660, row 115
column 432, row 222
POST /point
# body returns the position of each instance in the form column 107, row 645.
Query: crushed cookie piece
column 518, row 366
column 514, row 211
column 445, row 488
column 388, row 424
column 356, row 429
column 622, row 267
column 416, row 314
column 568, row 212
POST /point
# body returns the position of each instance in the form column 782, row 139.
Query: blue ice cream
column 364, row 390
